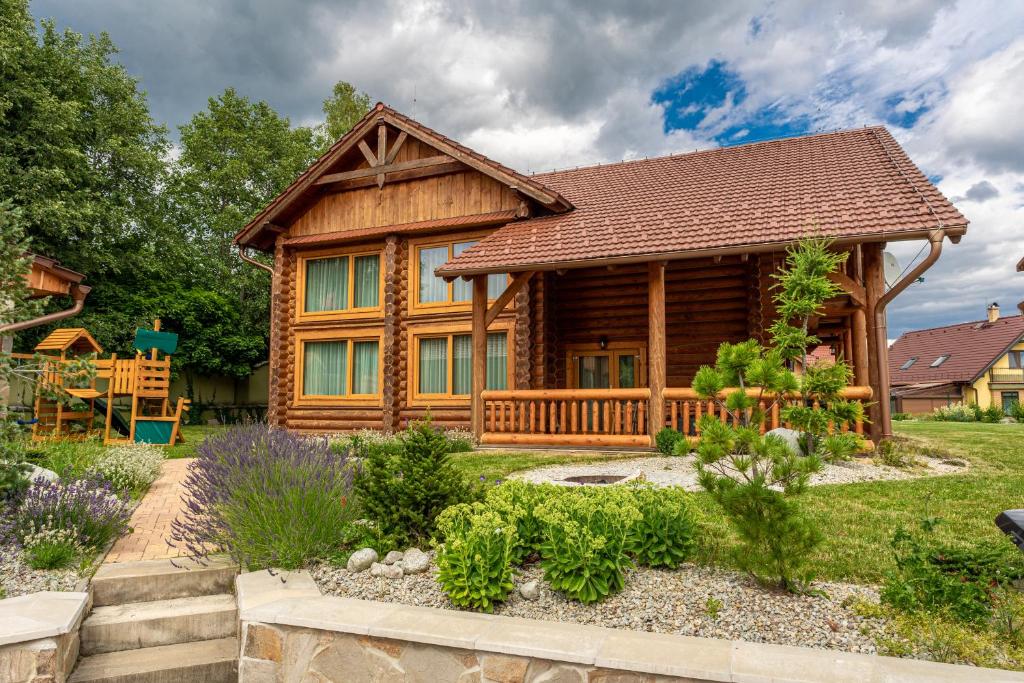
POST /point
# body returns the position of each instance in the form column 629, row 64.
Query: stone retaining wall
column 39, row 636
column 292, row 634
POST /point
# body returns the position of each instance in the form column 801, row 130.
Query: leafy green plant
column 517, row 502
column 992, row 414
column 754, row 477
column 70, row 459
column 404, row 489
column 902, row 417
column 666, row 440
column 1017, row 411
column 895, row 453
column 664, row 534
column 957, row 412
column 934, row 577
column 474, row 559
column 13, row 467
column 713, row 607
column 50, row 548
column 584, row 552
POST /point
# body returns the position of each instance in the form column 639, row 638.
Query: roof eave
column 750, row 248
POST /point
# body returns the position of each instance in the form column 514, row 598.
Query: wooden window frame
column 415, row 333
column 349, row 335
column 447, row 306
column 612, row 350
column 349, row 313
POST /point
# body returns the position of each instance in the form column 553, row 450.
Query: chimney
column 993, row 312
column 1020, row 307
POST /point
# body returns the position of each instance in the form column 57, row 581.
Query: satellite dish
column 891, row 267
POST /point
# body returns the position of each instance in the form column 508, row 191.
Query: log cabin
column 413, row 276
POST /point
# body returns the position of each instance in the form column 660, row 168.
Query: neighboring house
column 977, row 362
column 413, row 276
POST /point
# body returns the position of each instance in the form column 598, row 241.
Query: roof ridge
column 968, row 322
column 712, row 150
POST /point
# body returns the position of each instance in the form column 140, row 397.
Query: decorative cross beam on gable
column 383, row 161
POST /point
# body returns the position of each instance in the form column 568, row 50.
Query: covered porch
column 605, row 354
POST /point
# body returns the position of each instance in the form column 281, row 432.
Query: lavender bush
column 267, row 497
column 86, row 506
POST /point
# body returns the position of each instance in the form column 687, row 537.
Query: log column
column 479, row 354
column 861, row 376
column 656, row 346
column 874, row 288
column 390, row 352
column 277, row 308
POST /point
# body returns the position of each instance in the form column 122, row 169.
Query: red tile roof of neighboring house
column 972, row 348
column 849, row 184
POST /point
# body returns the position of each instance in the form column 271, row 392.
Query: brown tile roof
column 972, row 347
column 254, row 233
column 849, row 184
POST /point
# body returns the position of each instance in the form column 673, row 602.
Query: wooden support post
column 479, row 354
column 860, row 347
column 656, row 351
column 874, row 288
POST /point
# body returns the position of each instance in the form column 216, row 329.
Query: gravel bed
column 679, row 471
column 17, row 578
column 661, row 601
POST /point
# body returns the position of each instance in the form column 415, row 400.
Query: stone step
column 134, row 625
column 206, row 661
column 148, row 580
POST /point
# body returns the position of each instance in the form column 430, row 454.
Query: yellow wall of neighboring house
column 983, row 394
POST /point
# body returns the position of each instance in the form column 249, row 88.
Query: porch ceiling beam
column 395, row 176
column 851, row 287
column 386, row 168
column 511, row 290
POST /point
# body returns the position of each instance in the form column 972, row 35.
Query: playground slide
column 117, row 421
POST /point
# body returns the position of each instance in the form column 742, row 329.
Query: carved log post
column 656, row 352
column 874, row 287
column 860, row 348
column 277, row 305
column 389, row 353
column 479, row 354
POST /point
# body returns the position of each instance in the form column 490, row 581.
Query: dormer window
column 940, row 360
column 906, row 365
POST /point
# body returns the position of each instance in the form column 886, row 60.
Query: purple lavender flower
column 87, row 506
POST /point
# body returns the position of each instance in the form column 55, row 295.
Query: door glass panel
column 627, row 372
column 592, row 372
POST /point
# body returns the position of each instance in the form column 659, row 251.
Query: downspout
column 78, row 294
column 248, row 259
column 881, row 333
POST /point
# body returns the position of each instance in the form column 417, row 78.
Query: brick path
column 152, row 518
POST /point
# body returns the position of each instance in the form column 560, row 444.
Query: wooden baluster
column 607, row 409
column 490, row 415
column 563, row 421
column 533, row 417
column 641, row 423
column 574, row 418
column 674, row 413
column 543, row 416
column 761, row 407
column 522, row 417
column 617, row 421
column 686, row 417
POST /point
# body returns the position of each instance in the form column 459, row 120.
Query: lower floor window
column 446, row 364
column 340, row 367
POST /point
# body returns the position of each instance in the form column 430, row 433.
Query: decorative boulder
column 791, row 437
column 361, row 560
column 393, row 557
column 393, row 571
column 529, row 590
column 36, row 473
column 415, row 561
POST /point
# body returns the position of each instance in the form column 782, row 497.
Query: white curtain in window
column 432, row 288
column 462, row 364
column 323, row 371
column 364, row 367
column 326, row 284
column 367, row 281
column 462, row 290
column 433, row 366
column 497, row 360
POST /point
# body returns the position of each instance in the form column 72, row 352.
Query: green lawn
column 194, row 435
column 859, row 519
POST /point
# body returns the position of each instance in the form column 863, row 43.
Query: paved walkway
column 152, row 518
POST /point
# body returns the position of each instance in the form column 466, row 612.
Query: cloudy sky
column 541, row 84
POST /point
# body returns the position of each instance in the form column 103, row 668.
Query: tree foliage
column 342, row 110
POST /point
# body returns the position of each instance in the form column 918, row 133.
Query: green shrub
column 1017, row 411
column 992, row 414
column 68, row 458
column 474, row 560
column 957, row 412
column 13, row 468
column 933, row 577
column 404, row 490
column 129, row 468
column 664, row 534
column 894, row 453
column 667, row 439
column 517, row 501
column 586, row 538
column 901, row 417
column 50, row 548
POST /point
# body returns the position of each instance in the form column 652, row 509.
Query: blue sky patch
column 689, row 96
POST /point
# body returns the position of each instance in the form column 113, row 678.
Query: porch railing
column 684, row 410
column 1008, row 376
column 591, row 417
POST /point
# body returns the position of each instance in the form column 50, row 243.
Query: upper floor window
column 345, row 282
column 1016, row 359
column 434, row 291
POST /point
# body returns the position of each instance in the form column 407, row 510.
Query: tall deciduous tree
column 343, row 109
